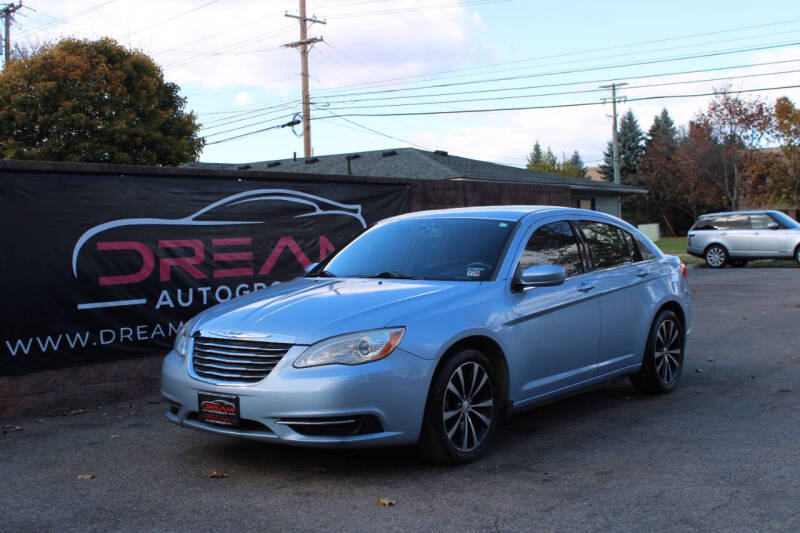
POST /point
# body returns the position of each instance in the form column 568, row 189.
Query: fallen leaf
column 85, row 476
column 7, row 429
column 698, row 370
column 744, row 318
column 217, row 475
column 386, row 502
column 39, row 420
column 73, row 412
column 131, row 413
column 793, row 358
column 114, row 437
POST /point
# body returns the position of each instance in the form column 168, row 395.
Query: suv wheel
column 716, row 256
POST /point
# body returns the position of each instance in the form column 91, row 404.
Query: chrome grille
column 239, row 360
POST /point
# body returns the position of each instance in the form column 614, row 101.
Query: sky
column 393, row 73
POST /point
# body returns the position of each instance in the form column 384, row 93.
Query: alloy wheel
column 468, row 406
column 715, row 257
column 668, row 351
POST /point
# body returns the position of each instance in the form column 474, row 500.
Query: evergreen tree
column 631, row 148
column 536, row 157
column 543, row 161
column 574, row 166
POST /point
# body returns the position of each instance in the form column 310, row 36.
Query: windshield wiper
column 389, row 274
column 322, row 274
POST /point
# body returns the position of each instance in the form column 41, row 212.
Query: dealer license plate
column 221, row 409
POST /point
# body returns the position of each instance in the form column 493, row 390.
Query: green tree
column 631, row 147
column 574, row 166
column 536, row 156
column 543, row 161
column 93, row 101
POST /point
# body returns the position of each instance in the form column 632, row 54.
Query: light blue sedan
column 431, row 328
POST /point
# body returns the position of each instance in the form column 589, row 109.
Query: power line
column 561, row 93
column 287, row 124
column 170, row 19
column 63, row 20
column 584, row 69
column 376, row 132
column 567, row 54
column 564, row 84
column 556, row 106
column 519, row 108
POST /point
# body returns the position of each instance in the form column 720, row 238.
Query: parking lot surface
column 722, row 452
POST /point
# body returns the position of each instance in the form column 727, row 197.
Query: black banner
column 102, row 267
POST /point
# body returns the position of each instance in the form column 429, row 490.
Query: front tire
column 663, row 359
column 797, row 255
column 463, row 410
column 716, row 256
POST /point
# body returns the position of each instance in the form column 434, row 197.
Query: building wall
column 607, row 204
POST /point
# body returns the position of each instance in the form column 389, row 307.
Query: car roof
column 747, row 212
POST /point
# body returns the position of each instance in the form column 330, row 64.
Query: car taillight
column 684, row 272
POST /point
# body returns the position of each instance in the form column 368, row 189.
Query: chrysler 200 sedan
column 431, row 328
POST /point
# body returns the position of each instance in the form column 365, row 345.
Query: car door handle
column 642, row 272
column 586, row 286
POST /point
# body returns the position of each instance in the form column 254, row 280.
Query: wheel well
column 678, row 310
column 490, row 349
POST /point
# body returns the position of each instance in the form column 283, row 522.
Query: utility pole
column 7, row 13
column 305, row 44
column 613, row 87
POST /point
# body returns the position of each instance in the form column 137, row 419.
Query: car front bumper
column 306, row 406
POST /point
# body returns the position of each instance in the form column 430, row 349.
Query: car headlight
column 182, row 339
column 352, row 348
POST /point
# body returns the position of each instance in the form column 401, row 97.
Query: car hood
column 308, row 310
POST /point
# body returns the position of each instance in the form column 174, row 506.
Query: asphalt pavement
column 722, row 452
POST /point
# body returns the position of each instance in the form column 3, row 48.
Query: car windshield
column 785, row 220
column 434, row 248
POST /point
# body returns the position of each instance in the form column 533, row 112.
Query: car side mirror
column 542, row 276
column 311, row 267
column 773, row 225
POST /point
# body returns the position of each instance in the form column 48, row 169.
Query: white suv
column 736, row 237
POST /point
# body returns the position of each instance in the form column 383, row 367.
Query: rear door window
column 553, row 244
column 760, row 220
column 731, row 222
column 608, row 246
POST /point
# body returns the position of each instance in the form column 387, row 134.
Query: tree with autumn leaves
column 721, row 161
column 93, row 101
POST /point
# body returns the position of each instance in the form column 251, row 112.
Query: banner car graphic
column 97, row 268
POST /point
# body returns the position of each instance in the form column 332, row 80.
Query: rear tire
column 663, row 358
column 463, row 410
column 716, row 256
